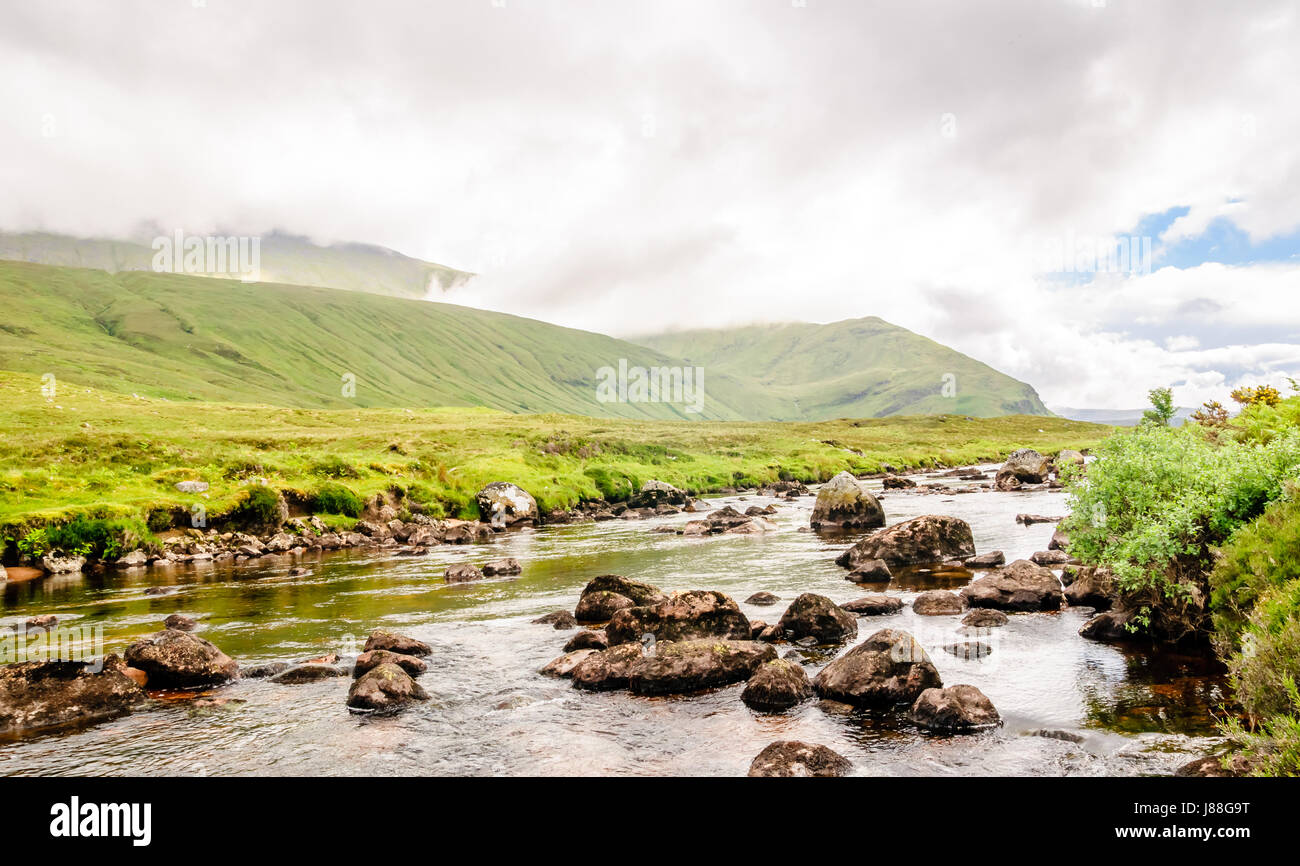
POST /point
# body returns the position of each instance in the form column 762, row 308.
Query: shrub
column 1274, row 747
column 614, row 486
column 260, row 506
column 1260, row 558
column 335, row 467
column 336, row 499
column 100, row 538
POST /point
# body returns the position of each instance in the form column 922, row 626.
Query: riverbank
column 104, row 455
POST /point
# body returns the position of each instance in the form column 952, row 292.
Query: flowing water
column 1070, row 706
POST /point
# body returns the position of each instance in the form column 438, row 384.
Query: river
column 1070, row 706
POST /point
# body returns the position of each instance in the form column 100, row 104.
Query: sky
column 629, row 167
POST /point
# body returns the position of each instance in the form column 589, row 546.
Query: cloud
column 628, row 167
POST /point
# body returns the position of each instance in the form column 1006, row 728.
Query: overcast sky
column 629, row 167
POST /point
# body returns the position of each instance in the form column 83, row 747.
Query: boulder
column 1109, row 627
column 655, row 493
column 1049, row 558
column 374, row 658
column 62, row 564
column 180, row 622
column 682, row 616
column 381, row 639
column 897, row 482
column 587, row 639
column 462, row 572
column 1091, row 587
column 41, row 622
column 777, row 685
column 639, row 591
column 134, row 559
column 788, row 758
column 984, row 617
column 178, row 659
column 677, row 667
column 874, row 604
column 871, row 571
column 1025, row 466
column 845, row 502
column 565, row 664
column 560, row 619
column 600, row 606
column 605, row 670
column 308, row 673
column 816, row 616
column 281, row 542
column 504, row 504
column 938, row 602
column 763, row 598
column 384, row 688
column 40, row 695
column 992, row 559
column 925, row 539
column 956, row 708
column 502, row 567
column 1069, row 457
column 1020, row 586
column 1060, row 541
column 888, row 668
column 262, row 671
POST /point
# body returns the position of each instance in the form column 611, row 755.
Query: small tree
column 1260, row 395
column 1162, row 407
column 1211, row 414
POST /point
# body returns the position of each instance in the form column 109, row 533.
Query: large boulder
column 308, row 673
column 384, row 688
column 1109, row 627
column 1020, row 586
column 1025, row 466
column 178, row 659
column 606, row 670
column 462, row 572
column 38, row 695
column 1069, row 457
column 777, row 685
column 728, row 520
column 600, row 606
column 925, row 539
column 504, row 504
column 681, row 616
column 382, row 639
column 607, row 594
column 793, row 758
column 655, row 493
column 956, row 708
column 816, row 616
column 870, row 571
column 1091, row 587
column 62, row 564
column 874, row 604
column 376, row 657
column 564, row 665
column 687, row 666
column 888, row 668
column 845, row 502
column 938, row 602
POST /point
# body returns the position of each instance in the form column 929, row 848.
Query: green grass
column 110, row 455
column 857, row 368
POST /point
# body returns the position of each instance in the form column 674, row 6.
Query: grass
column 102, row 454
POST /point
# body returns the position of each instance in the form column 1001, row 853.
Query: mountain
column 855, row 368
column 284, row 258
column 184, row 337
column 1117, row 417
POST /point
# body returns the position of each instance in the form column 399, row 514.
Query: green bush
column 1154, row 503
column 335, row 467
column 1260, row 558
column 614, row 486
column 336, row 499
column 259, row 507
column 100, row 538
column 1274, row 746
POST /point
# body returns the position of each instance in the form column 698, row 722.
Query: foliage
column 1269, row 657
column 1260, row 558
column 99, row 538
column 336, row 499
column 1274, row 746
column 1211, row 414
column 1162, row 407
column 1258, row 395
column 259, row 506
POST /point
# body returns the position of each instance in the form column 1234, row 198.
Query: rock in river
column 871, row 571
column 607, row 594
column 763, row 598
column 462, row 572
column 376, row 657
column 682, row 616
column 1025, row 466
column 677, row 667
column 956, row 708
column 984, row 617
column 504, row 504
column 607, row 669
column 600, row 606
column 890, row 667
column 845, row 502
column 777, row 685
column 924, row 539
column 564, row 665
column 37, row 695
column 380, row 639
column 558, row 619
column 818, row 617
column 383, row 689
column 178, row 659
column 180, row 622
column 655, row 493
column 1020, row 586
column 502, row 567
column 1091, row 587
column 793, row 758
column 875, row 604
column 938, row 602
column 308, row 673
column 587, row 639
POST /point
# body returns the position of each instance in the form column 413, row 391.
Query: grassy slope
column 107, row 454
column 187, row 338
column 284, row 258
column 856, row 368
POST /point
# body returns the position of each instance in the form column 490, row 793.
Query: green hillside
column 852, row 369
column 285, row 258
column 192, row 338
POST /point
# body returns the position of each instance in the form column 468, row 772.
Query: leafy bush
column 100, row 538
column 336, row 499
column 1274, row 747
column 260, row 506
column 1154, row 503
column 1268, row 663
column 614, row 486
column 34, row 544
column 1262, row 557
